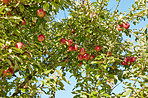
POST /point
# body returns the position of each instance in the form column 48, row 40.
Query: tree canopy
column 36, row 52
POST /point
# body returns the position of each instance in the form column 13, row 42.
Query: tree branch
column 23, row 84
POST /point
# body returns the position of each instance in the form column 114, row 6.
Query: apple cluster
column 82, row 54
column 40, row 13
column 128, row 59
column 123, row 25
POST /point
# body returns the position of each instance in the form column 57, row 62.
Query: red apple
column 69, row 42
column 66, row 61
column 45, row 52
column 23, row 22
column 41, row 12
column 82, row 51
column 92, row 57
column 10, row 70
column 25, row 86
column 4, row 72
column 80, row 64
column 119, row 27
column 108, row 53
column 86, row 56
column 127, row 59
column 72, row 31
column 70, row 48
column 80, row 57
column 41, row 37
column 8, row 13
column 75, row 47
column 133, row 59
column 126, row 25
column 5, row 1
column 19, row 45
column 124, row 63
column 98, row 48
column 63, row 41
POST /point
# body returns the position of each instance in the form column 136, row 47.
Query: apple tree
column 36, row 52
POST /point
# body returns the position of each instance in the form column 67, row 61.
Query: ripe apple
column 80, row 57
column 25, row 86
column 72, row 31
column 108, row 53
column 124, row 63
column 86, row 56
column 69, row 42
column 70, row 48
column 92, row 57
column 4, row 72
column 82, row 51
column 66, row 60
column 23, row 22
column 5, row 1
column 10, row 70
column 119, row 27
column 98, row 48
column 41, row 37
column 133, row 59
column 41, row 12
column 75, row 47
column 45, row 52
column 19, row 45
column 63, row 41
column 8, row 13
column 126, row 25
column 127, row 59
column 80, row 64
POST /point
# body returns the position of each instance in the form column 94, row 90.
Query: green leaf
column 46, row 6
column 21, row 8
column 127, row 92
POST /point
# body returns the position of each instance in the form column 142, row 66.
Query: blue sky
column 124, row 6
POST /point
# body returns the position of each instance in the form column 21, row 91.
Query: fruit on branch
column 66, row 61
column 19, row 45
column 75, row 47
column 45, row 52
column 126, row 59
column 5, row 1
column 70, row 48
column 124, row 63
column 4, row 72
column 98, row 48
column 82, row 51
column 86, row 56
column 23, row 22
column 63, row 41
column 108, row 53
column 41, row 37
column 8, row 13
column 91, row 57
column 119, row 27
column 80, row 64
column 72, row 31
column 10, row 70
column 126, row 25
column 80, row 57
column 133, row 59
column 69, row 42
column 41, row 12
